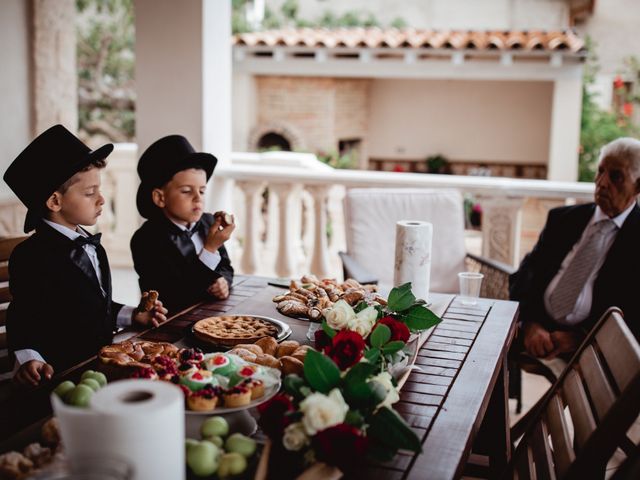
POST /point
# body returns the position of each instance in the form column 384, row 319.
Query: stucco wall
column 463, row 120
column 15, row 114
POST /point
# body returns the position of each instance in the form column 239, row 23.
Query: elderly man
column 585, row 260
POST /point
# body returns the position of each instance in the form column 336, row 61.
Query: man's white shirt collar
column 619, row 220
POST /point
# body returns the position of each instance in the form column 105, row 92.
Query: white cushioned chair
column 370, row 222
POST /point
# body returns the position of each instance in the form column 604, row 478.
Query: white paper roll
column 138, row 421
column 413, row 256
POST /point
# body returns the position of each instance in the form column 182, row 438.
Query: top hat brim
column 34, row 215
column 144, row 202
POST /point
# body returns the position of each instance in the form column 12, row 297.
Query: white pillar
column 564, row 139
column 183, row 78
column 252, row 191
column 285, row 256
column 320, row 257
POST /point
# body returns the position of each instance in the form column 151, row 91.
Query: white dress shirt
column 210, row 259
column 124, row 315
column 583, row 303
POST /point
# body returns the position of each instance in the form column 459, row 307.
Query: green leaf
column 360, row 306
column 389, row 429
column 419, row 318
column 365, row 394
column 401, row 298
column 293, row 384
column 354, row 418
column 380, row 335
column 320, row 371
column 327, row 329
column 378, row 453
column 372, row 355
column 393, row 347
column 360, row 372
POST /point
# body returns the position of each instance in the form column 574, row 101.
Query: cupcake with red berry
column 219, row 364
column 198, row 380
column 191, row 355
column 244, row 373
column 256, row 386
column 165, row 366
column 146, row 373
column 204, row 400
column 238, row 396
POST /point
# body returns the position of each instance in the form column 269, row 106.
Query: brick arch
column 288, row 132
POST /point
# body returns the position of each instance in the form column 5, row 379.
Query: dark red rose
column 342, row 445
column 273, row 419
column 399, row 331
column 347, row 348
column 322, row 340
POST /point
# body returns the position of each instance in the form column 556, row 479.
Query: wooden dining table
column 455, row 399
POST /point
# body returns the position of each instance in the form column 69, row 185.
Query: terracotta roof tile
column 566, row 41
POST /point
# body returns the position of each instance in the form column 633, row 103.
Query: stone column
column 252, row 191
column 501, row 224
column 564, row 138
column 285, row 262
column 55, row 81
column 320, row 257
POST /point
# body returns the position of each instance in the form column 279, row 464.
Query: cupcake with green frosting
column 198, row 380
column 219, row 364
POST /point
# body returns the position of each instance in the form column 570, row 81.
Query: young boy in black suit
column 61, row 312
column 179, row 250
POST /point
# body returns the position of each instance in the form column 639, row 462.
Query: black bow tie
column 197, row 227
column 90, row 240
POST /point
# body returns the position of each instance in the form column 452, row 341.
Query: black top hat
column 161, row 161
column 51, row 159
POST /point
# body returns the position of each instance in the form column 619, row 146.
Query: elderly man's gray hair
column 626, row 148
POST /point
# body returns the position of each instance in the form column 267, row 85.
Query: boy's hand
column 219, row 289
column 32, row 372
column 152, row 318
column 218, row 234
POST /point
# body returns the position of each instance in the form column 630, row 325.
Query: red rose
column 273, row 418
column 346, row 349
column 399, row 331
column 627, row 109
column 341, row 445
column 618, row 82
column 322, row 340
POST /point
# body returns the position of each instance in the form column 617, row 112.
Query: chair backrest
column 370, row 222
column 6, row 247
column 598, row 394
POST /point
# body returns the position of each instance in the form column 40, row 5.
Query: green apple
column 241, row 444
column 97, row 376
column 80, row 396
column 64, row 388
column 190, row 442
column 216, row 440
column 202, row 458
column 91, row 383
column 214, row 426
column 231, row 464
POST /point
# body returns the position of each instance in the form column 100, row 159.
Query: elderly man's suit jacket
column 166, row 261
column 616, row 283
column 58, row 308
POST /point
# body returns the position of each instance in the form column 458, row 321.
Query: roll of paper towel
column 413, row 256
column 140, row 422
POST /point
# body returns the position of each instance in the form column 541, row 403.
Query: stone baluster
column 252, row 194
column 501, row 225
column 320, row 256
column 285, row 261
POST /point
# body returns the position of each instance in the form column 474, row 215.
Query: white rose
column 323, row 411
column 339, row 315
column 392, row 397
column 295, row 437
column 363, row 322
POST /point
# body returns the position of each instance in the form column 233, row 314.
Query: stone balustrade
column 288, row 209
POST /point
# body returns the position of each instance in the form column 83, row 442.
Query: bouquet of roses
column 339, row 412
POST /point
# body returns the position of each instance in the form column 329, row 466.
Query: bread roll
column 268, row 345
column 287, row 348
column 268, row 361
column 252, row 347
column 291, row 365
column 244, row 354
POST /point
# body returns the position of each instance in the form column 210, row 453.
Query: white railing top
column 271, row 172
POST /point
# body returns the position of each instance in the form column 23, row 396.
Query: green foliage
column 320, row 371
column 599, row 127
column 289, row 9
column 399, row 23
column 348, row 160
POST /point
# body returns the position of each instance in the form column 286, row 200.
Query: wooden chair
column 599, row 395
column 6, row 361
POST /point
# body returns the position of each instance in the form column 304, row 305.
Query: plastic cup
column 470, row 283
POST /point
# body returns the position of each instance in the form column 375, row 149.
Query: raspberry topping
column 246, row 371
column 220, row 360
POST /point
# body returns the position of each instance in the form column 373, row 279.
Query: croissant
column 291, row 308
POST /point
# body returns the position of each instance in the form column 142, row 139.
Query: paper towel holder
column 137, row 396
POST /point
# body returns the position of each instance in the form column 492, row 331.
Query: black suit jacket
column 58, row 308
column 168, row 263
column 614, row 284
